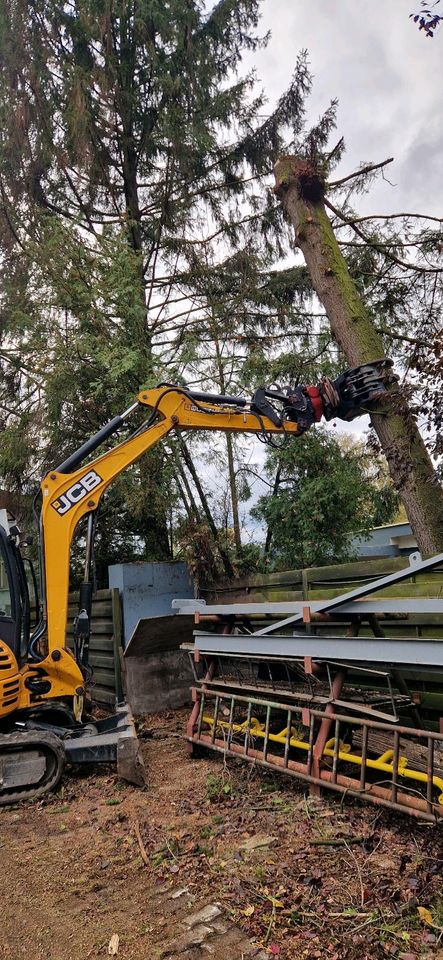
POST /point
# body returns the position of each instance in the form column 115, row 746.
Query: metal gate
column 321, row 750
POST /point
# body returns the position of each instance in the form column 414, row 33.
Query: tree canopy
column 426, row 18
column 323, row 494
column 136, row 227
column 140, row 241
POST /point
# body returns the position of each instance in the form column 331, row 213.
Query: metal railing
column 317, row 748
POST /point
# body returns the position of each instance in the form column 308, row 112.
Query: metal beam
column 404, row 650
column 364, row 591
column 417, row 605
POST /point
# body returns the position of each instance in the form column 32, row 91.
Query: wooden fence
column 315, row 583
column 322, row 583
column 105, row 644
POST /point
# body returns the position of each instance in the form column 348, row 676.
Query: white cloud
column 387, row 77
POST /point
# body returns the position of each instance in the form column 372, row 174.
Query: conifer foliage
column 132, row 156
column 140, row 241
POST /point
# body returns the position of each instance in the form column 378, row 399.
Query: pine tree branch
column 379, row 247
column 333, row 184
column 389, row 216
column 416, row 341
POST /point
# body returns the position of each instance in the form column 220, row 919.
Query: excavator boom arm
column 67, row 497
column 71, row 491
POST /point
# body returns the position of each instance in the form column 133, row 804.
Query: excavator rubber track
column 31, row 764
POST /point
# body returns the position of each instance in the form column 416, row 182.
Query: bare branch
column 359, row 173
column 381, row 248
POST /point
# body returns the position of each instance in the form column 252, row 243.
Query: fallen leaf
column 413, row 882
column 426, row 916
column 113, row 945
column 248, row 911
column 312, row 880
column 429, row 937
column 258, row 841
column 276, row 903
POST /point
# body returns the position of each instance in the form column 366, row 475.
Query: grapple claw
column 356, row 391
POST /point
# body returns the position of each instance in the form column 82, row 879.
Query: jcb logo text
column 76, row 493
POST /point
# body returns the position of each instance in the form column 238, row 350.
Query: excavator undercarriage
column 33, row 755
column 31, row 764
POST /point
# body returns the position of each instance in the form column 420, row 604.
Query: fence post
column 117, row 640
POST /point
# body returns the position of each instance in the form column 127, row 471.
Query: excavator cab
column 36, row 741
column 15, row 615
column 19, row 599
column 19, row 615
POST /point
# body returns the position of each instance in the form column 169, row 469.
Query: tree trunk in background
column 269, row 531
column 234, row 496
column 301, row 189
column 229, row 570
column 230, row 452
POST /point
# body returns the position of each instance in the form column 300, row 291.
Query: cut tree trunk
column 301, row 189
column 230, row 451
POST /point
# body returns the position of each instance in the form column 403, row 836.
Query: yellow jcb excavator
column 43, row 683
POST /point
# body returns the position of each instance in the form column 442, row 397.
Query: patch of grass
column 203, row 850
column 281, row 803
column 296, row 917
column 437, row 912
column 217, row 787
column 158, row 858
column 308, row 806
column 396, row 928
column 270, row 786
column 206, row 831
column 168, row 851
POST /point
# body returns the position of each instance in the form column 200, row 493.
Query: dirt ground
column 74, row 873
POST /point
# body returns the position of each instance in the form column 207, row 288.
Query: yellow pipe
column 382, row 763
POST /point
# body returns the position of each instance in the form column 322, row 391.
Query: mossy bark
column 301, row 190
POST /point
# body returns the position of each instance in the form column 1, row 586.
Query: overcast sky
column 387, row 76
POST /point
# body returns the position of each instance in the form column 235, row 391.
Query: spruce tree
column 129, row 140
